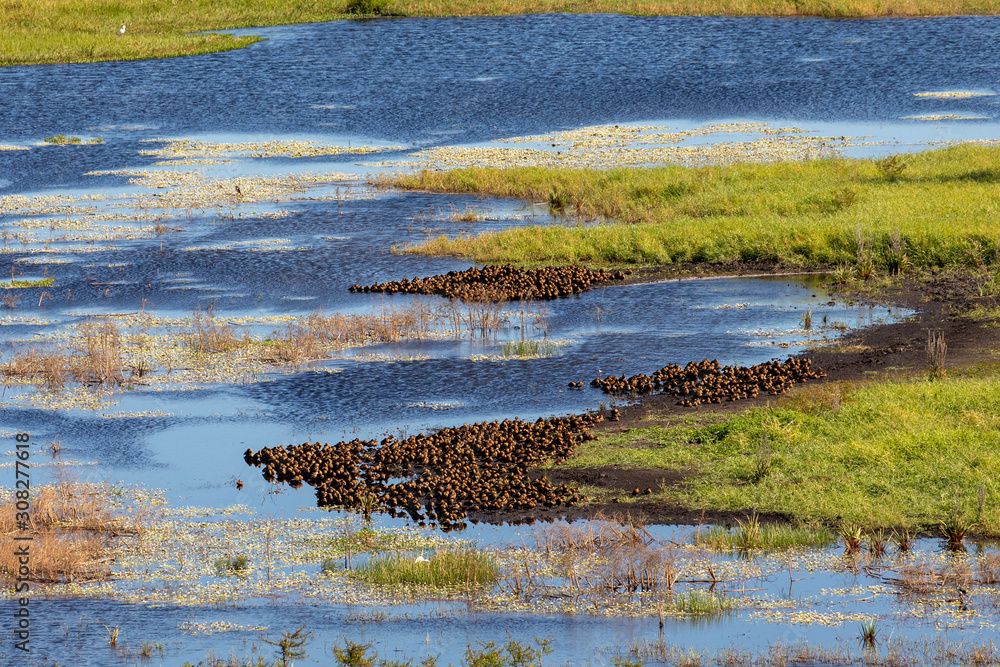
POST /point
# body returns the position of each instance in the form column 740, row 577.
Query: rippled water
column 449, row 81
column 419, row 83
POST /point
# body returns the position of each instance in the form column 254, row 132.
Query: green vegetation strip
column 449, row 567
column 936, row 208
column 22, row 284
column 63, row 31
column 893, row 454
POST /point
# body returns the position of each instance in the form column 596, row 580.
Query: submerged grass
column 64, row 31
column 901, row 454
column 939, row 211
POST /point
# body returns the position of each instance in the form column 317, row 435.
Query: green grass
column 765, row 537
column 445, row 568
column 902, row 453
column 943, row 207
column 21, row 284
column 234, row 565
column 62, row 140
column 64, row 31
column 529, row 349
column 701, row 603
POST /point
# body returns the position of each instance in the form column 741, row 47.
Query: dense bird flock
column 708, row 382
column 438, row 478
column 501, row 283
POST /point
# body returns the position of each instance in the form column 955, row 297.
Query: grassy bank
column 907, row 453
column 936, row 208
column 57, row 31
column 68, row 31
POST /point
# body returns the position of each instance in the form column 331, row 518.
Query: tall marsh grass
column 939, row 211
column 751, row 535
column 464, row 568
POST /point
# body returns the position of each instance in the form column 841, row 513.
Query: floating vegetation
column 435, row 406
column 215, row 627
column 260, row 245
column 501, row 283
column 948, row 116
column 953, row 95
column 23, row 284
column 140, row 350
column 136, row 415
column 63, row 140
column 185, row 149
column 606, row 146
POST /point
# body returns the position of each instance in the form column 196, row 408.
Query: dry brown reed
column 937, row 350
column 106, row 354
column 923, row 579
column 605, row 557
column 72, row 530
column 94, row 358
column 988, row 569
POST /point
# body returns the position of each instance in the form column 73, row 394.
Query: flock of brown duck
column 438, row 478
column 708, row 382
column 501, row 283
column 483, row 468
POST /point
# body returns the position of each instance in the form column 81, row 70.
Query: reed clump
column 72, row 532
column 937, row 352
column 94, row 357
column 751, row 534
column 602, row 559
column 465, row 568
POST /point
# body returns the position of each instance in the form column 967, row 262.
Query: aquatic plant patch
column 74, row 529
column 24, row 284
column 467, row 568
column 185, row 149
column 610, row 146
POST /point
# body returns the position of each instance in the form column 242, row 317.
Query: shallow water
column 819, row 597
column 419, row 84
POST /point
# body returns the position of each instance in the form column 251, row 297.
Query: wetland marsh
column 193, row 285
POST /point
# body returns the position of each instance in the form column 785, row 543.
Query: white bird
column 420, row 559
column 122, row 31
